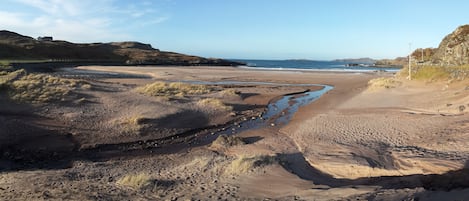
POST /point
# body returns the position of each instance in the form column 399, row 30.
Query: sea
column 312, row 65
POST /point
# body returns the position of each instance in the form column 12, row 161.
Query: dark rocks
column 454, row 48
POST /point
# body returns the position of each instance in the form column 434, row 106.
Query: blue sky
column 262, row 29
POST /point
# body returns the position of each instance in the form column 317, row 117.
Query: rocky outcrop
column 454, row 48
column 397, row 62
column 14, row 46
column 359, row 60
column 423, row 55
column 452, row 51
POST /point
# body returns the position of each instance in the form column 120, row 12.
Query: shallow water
column 278, row 112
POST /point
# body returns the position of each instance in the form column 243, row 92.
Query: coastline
column 344, row 70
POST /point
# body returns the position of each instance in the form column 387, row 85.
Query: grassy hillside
column 438, row 73
column 14, row 46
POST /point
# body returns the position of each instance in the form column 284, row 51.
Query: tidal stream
column 279, row 112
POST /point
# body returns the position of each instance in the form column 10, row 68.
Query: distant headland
column 14, row 46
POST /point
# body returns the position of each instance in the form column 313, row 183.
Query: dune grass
column 213, row 103
column 224, row 141
column 436, row 73
column 422, row 73
column 383, row 83
column 173, row 89
column 136, row 181
column 135, row 120
column 35, row 88
column 230, row 92
column 131, row 124
column 245, row 163
column 40, row 88
column 431, row 73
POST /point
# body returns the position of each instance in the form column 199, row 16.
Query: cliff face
column 14, row 46
column 454, row 48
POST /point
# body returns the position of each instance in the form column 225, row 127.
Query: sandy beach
column 353, row 143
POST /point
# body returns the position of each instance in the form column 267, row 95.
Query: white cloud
column 56, row 7
column 77, row 20
column 154, row 21
column 9, row 19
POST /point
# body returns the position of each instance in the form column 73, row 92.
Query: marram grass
column 136, row 181
column 173, row 89
column 35, row 88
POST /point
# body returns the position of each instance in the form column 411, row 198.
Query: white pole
column 422, row 54
column 410, row 57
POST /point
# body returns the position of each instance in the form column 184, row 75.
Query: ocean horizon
column 312, row 65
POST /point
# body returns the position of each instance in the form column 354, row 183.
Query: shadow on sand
column 52, row 150
column 457, row 179
column 33, row 147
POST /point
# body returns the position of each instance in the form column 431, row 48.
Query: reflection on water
column 278, row 112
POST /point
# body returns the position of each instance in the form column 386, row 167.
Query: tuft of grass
column 213, row 103
column 136, row 120
column 6, row 78
column 224, row 141
column 86, row 86
column 383, row 83
column 230, row 92
column 173, row 89
column 35, row 88
column 244, row 163
column 136, row 181
column 132, row 124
